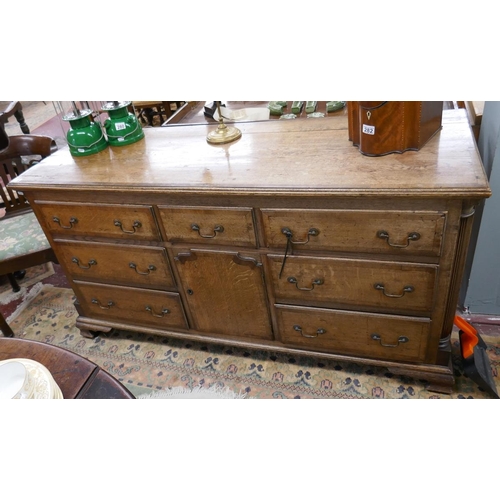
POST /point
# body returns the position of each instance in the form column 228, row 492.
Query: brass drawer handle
column 319, row 331
column 241, row 260
column 289, row 243
column 401, row 340
column 92, row 262
column 411, row 237
column 150, row 269
column 315, row 282
column 109, row 306
column 406, row 289
column 163, row 312
column 72, row 222
column 217, row 229
column 136, row 225
column 288, row 233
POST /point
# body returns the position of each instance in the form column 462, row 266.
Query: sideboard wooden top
column 293, row 157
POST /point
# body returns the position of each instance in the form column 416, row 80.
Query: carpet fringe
column 197, row 392
column 7, row 297
column 37, row 288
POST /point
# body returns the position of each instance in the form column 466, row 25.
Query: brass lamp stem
column 221, row 121
column 223, row 134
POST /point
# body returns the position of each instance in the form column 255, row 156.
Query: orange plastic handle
column 469, row 338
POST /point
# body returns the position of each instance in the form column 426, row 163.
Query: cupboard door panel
column 225, row 292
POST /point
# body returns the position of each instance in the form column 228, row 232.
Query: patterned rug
column 146, row 363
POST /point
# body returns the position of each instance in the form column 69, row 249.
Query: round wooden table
column 77, row 377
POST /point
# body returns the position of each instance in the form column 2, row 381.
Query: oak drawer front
column 111, row 221
column 378, row 336
column 386, row 232
column 392, row 286
column 126, row 264
column 208, row 225
column 131, row 305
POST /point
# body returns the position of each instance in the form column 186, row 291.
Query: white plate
column 41, row 383
column 57, row 392
column 13, row 375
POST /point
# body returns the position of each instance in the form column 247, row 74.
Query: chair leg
column 149, row 114
column 13, row 283
column 6, row 329
column 19, row 275
column 20, row 118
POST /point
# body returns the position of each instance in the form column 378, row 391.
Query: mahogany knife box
column 382, row 127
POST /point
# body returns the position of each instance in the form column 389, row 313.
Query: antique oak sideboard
column 287, row 240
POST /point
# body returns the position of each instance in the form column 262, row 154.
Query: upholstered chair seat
column 21, row 235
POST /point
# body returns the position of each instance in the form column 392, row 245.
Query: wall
column 480, row 293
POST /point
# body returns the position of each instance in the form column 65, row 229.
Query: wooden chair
column 14, row 109
column 22, row 242
column 147, row 111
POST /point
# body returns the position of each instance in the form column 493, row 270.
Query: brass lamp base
column 223, row 134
